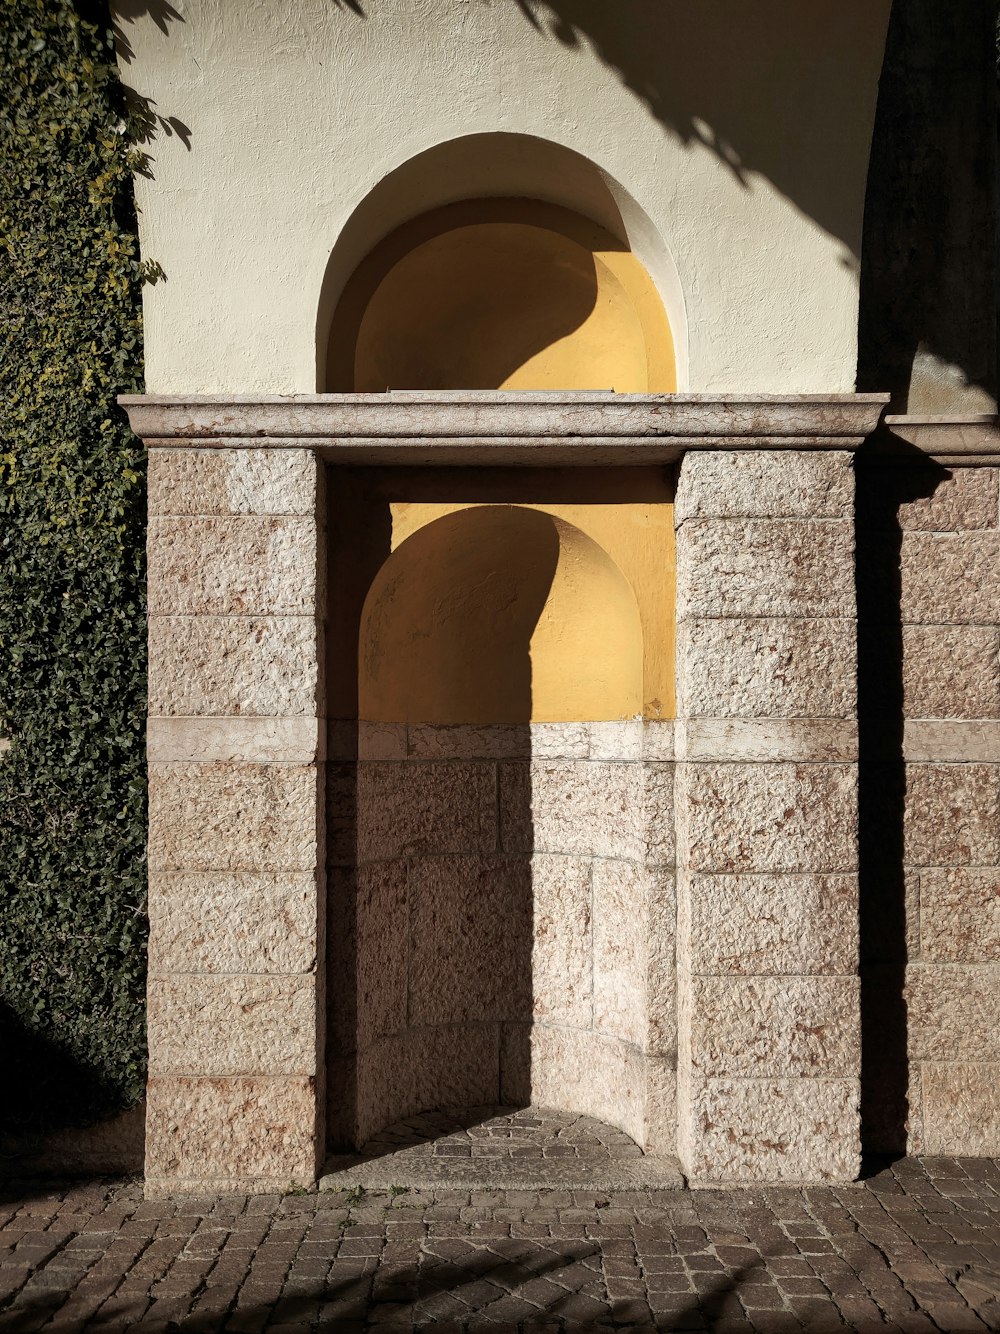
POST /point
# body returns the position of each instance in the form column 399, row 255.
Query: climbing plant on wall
column 72, row 631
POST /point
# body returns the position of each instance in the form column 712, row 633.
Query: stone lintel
column 969, row 441
column 505, row 428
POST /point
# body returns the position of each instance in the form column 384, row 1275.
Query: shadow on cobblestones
column 917, row 1249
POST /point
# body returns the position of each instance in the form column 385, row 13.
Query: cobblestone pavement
column 917, row 1248
column 487, row 1132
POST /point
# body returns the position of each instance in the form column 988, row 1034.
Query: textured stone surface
column 952, row 815
column 376, row 741
column 765, row 567
column 767, row 739
column 253, row 740
column 562, row 945
column 755, row 483
column 382, row 943
column 425, row 808
column 951, row 671
column 247, row 566
column 773, row 924
column 228, row 666
column 621, row 933
column 658, row 739
column 580, row 808
column 661, row 983
column 454, row 1066
column 951, row 579
column 960, row 915
column 232, row 481
column 775, row 1026
column 774, row 1130
column 769, row 817
column 616, row 740
column 766, row 668
column 965, row 499
column 236, row 922
column 204, row 1025
column 660, row 1135
column 960, row 740
column 470, row 940
column 961, row 1107
column 229, row 1134
column 595, row 1075
column 235, row 817
column 658, row 815
column 953, row 1014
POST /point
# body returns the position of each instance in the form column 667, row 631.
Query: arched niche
column 504, row 181
column 500, row 614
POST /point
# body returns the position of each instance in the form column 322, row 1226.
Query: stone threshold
column 395, row 1170
column 493, row 1148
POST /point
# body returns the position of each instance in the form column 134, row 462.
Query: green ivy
column 72, row 575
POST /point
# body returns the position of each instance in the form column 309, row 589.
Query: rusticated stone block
column 950, row 578
column 960, row 915
column 242, row 1134
column 594, row 1074
column 580, row 808
column 756, row 483
column 453, row 1066
column 471, row 939
column 951, row 671
column 660, row 1135
column 952, row 814
column 661, row 979
column 768, row 817
column 231, row 922
column 953, row 1014
column 379, row 972
column 780, row 1130
column 775, row 1026
column 658, row 791
column 765, row 567
column 961, row 1109
column 425, row 808
column 562, row 948
column 250, row 566
column 621, row 932
column 204, row 1025
column 965, row 499
column 229, row 666
column 769, row 668
column 232, row 481
column 233, row 817
column 774, row 924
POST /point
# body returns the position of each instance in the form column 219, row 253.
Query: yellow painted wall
column 556, row 595
column 501, row 294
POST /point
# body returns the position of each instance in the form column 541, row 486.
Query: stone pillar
column 769, row 1047
column 236, row 746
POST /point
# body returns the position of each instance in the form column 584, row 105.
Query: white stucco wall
column 742, row 133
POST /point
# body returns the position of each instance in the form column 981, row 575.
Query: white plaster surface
column 292, row 114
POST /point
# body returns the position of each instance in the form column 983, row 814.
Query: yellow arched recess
column 501, row 294
column 500, row 614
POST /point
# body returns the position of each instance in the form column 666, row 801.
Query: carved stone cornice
column 478, row 429
column 971, row 441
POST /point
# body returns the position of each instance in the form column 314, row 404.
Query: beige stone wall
column 766, row 739
column 950, row 620
column 502, row 923
column 236, row 747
